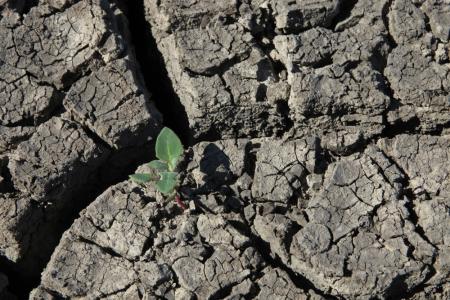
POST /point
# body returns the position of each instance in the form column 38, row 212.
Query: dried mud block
column 424, row 159
column 276, row 284
column 317, row 96
column 438, row 12
column 362, row 39
column 46, row 170
column 20, row 219
column 58, row 158
column 22, row 98
column 406, row 22
column 118, row 220
column 82, row 268
column 434, row 218
column 281, row 168
column 358, row 237
column 114, row 104
column 313, row 48
column 174, row 15
column 74, row 114
column 294, row 16
column 421, row 85
column 417, row 67
column 206, row 51
column 223, row 81
column 215, row 164
column 55, row 46
column 433, row 292
column 129, row 243
column 12, row 136
column 256, row 80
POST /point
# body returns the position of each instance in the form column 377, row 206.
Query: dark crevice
column 122, row 290
column 401, row 127
column 107, row 250
column 324, row 62
column 83, row 70
column 292, row 231
column 426, row 20
column 6, row 184
column 345, row 11
column 397, row 288
column 263, row 34
column 390, row 130
column 212, row 134
column 27, row 122
column 351, row 65
column 279, row 68
column 379, row 58
column 250, row 158
column 154, row 71
column 95, row 137
column 439, row 129
column 385, row 16
column 284, row 110
column 55, row 295
column 413, row 216
column 224, row 291
column 421, row 287
column 26, row 5
column 120, row 164
column 263, row 26
column 230, row 92
column 221, row 69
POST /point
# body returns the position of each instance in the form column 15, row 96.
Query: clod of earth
column 317, row 149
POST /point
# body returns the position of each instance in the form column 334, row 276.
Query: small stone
column 314, row 181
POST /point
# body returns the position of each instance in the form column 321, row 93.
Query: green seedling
column 168, row 150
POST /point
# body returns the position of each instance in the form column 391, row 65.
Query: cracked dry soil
column 319, row 156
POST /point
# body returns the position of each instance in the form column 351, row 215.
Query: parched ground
column 319, row 158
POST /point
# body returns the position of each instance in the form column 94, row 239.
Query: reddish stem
column 180, row 202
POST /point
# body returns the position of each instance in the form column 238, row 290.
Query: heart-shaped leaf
column 159, row 165
column 141, row 177
column 167, row 183
column 168, row 147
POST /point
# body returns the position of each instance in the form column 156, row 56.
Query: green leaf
column 141, row 177
column 173, row 163
column 166, row 185
column 159, row 165
column 168, row 147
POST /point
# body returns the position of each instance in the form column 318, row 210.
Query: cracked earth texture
column 318, row 164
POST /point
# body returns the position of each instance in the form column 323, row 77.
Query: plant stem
column 180, row 202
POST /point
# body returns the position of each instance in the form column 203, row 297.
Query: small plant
column 168, row 150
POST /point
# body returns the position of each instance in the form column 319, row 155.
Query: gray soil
column 317, row 162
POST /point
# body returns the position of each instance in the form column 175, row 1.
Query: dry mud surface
column 319, row 158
